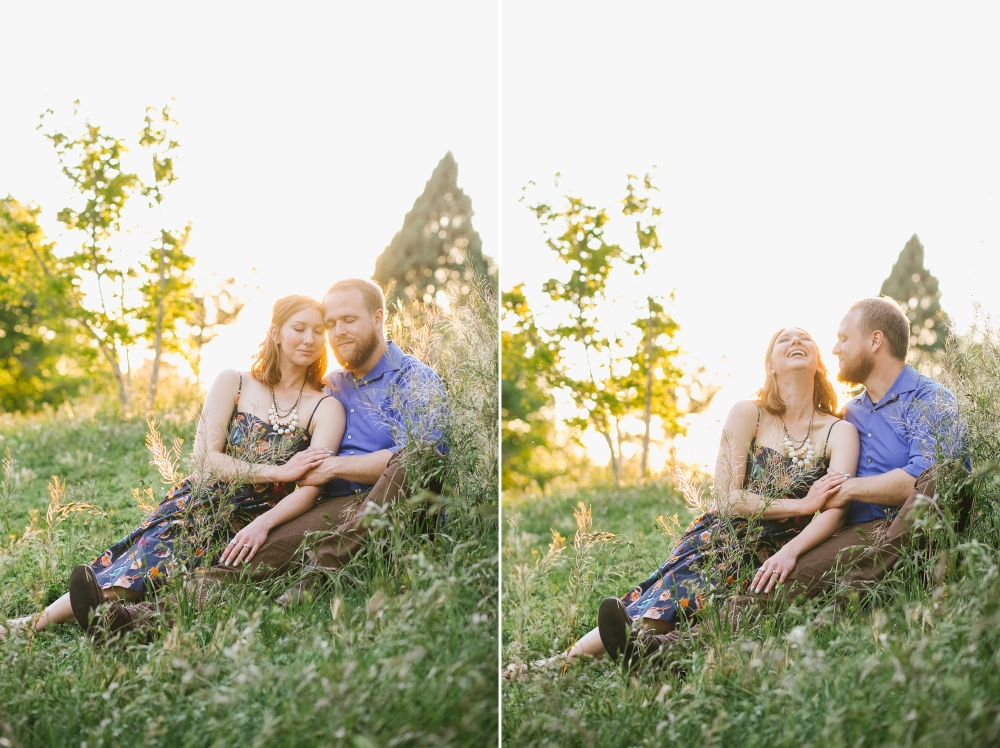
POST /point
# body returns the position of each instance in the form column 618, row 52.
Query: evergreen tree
column 435, row 243
column 916, row 290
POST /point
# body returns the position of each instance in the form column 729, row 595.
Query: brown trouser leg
column 855, row 557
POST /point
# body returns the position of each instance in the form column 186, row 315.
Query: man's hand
column 322, row 474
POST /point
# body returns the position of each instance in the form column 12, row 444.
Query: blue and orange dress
column 715, row 550
column 195, row 521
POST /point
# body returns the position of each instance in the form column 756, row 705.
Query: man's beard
column 856, row 370
column 363, row 350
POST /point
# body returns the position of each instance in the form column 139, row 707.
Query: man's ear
column 878, row 339
column 380, row 317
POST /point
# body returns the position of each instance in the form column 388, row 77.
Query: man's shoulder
column 929, row 389
column 411, row 366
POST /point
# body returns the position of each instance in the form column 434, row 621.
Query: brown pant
column 344, row 518
column 855, row 557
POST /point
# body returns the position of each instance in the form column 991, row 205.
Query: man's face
column 351, row 329
column 853, row 351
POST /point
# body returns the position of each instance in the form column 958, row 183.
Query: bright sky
column 307, row 129
column 799, row 146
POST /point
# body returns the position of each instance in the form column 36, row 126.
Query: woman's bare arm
column 330, row 423
column 210, row 441
column 844, row 448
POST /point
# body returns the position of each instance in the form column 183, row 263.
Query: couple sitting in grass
column 807, row 501
column 281, row 451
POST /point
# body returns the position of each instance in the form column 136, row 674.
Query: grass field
column 402, row 651
column 916, row 663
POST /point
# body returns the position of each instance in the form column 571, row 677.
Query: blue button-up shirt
column 911, row 427
column 399, row 400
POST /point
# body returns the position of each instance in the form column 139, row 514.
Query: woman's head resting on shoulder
column 793, row 355
column 298, row 335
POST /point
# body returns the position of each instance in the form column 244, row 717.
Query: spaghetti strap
column 239, row 391
column 755, row 428
column 829, row 431
column 314, row 411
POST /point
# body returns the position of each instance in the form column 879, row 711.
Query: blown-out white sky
column 799, row 146
column 307, row 129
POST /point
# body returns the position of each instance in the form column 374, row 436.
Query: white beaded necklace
column 284, row 423
column 803, row 453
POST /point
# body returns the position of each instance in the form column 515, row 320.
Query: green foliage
column 621, row 374
column 528, row 361
column 114, row 297
column 44, row 355
column 916, row 290
column 436, row 245
column 401, row 650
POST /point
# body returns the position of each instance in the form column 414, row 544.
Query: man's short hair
column 885, row 314
column 371, row 292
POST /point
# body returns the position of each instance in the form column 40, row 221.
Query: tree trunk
column 606, row 433
column 648, row 413
column 158, row 345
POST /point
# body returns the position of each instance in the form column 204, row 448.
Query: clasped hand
column 300, row 464
column 822, row 492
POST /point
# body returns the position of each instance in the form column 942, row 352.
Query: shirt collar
column 906, row 382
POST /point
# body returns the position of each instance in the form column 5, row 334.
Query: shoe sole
column 613, row 624
column 85, row 596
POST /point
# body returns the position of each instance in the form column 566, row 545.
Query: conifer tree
column 916, row 290
column 435, row 242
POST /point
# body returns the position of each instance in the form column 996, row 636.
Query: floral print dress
column 708, row 558
column 195, row 520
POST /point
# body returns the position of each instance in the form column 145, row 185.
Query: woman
column 781, row 457
column 260, row 432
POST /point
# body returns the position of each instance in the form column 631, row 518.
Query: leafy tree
column 655, row 375
column 916, row 290
column 436, row 243
column 92, row 161
column 528, row 366
column 42, row 356
column 575, row 232
column 168, row 287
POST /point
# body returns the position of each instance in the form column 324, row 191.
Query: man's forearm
column 366, row 469
column 888, row 489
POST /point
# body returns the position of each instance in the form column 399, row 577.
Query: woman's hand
column 300, row 464
column 244, row 546
column 774, row 570
column 820, row 491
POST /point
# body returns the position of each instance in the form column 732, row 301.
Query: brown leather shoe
column 615, row 628
column 97, row 616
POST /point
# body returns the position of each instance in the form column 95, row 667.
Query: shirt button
column 352, row 410
column 869, row 459
column 352, row 453
column 869, row 435
column 349, row 436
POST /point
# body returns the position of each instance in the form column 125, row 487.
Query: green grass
column 401, row 650
column 917, row 664
column 410, row 667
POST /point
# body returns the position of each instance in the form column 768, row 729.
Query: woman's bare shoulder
column 744, row 411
